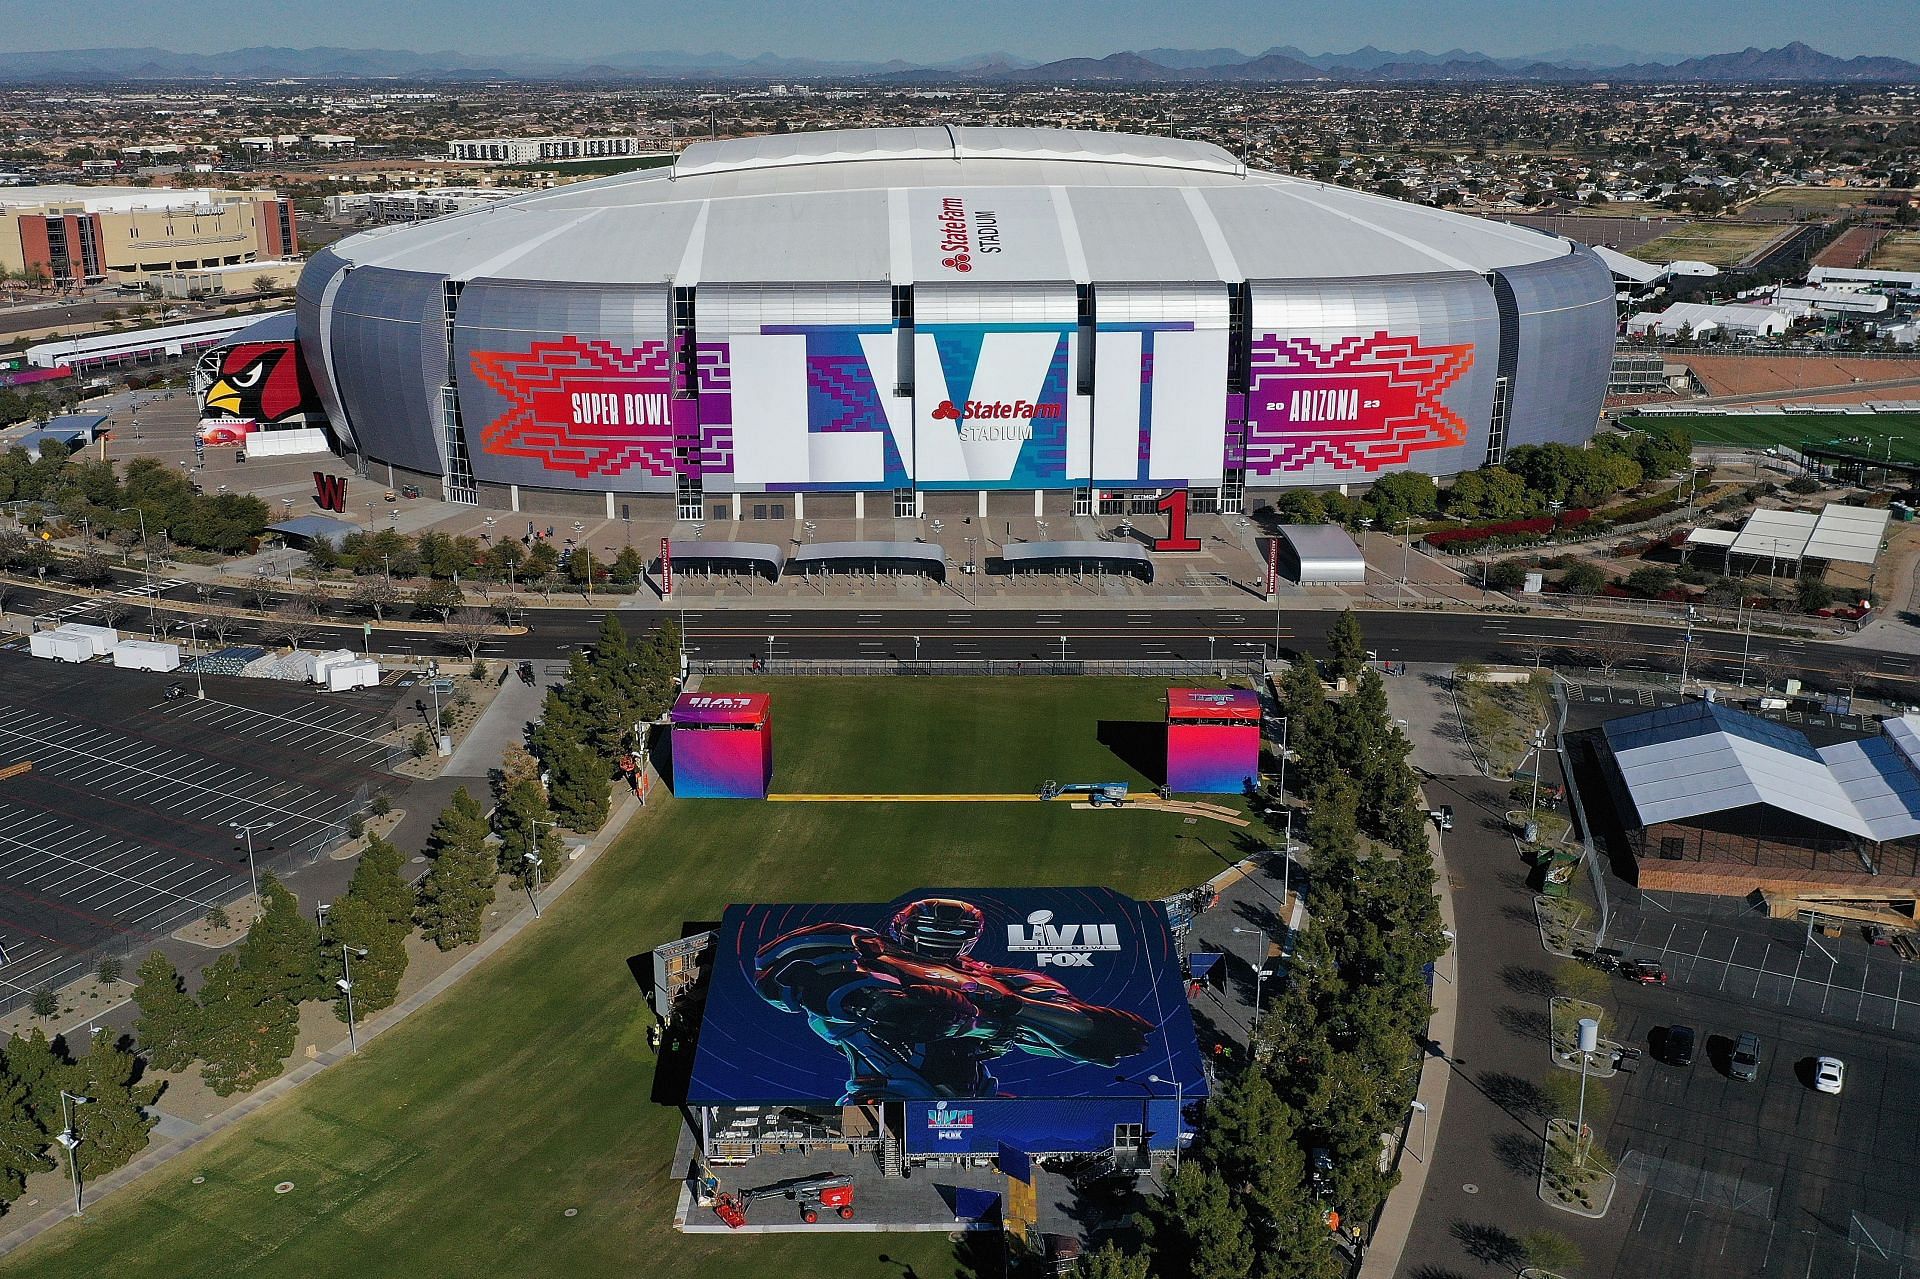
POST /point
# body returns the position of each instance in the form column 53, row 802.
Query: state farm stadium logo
column 589, row 408
column 1061, row 945
column 1362, row 403
column 990, row 421
column 962, row 234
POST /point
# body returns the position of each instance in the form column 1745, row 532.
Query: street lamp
column 345, row 984
column 1211, row 639
column 532, row 858
column 199, row 681
column 1420, row 1108
column 1063, row 648
column 247, row 829
column 1686, row 650
column 916, row 648
column 1259, row 977
column 70, row 1139
column 1179, row 1115
column 1589, row 1044
column 1450, row 937
column 148, row 550
column 1286, row 722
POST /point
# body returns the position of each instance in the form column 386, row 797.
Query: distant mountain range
column 1281, row 65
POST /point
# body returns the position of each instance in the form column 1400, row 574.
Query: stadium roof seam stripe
column 1211, row 236
column 1445, row 259
column 1069, row 223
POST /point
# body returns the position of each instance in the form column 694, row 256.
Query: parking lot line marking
column 1759, row 972
column 1731, row 951
column 97, row 870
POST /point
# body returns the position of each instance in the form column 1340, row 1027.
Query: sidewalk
column 174, row 1137
column 1396, row 1219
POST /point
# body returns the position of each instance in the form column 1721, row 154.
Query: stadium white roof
column 1843, row 533
column 1700, row 758
column 1629, row 268
column 849, row 206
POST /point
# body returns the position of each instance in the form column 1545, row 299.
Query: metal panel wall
column 1350, row 379
column 812, row 376
column 389, row 354
column 569, row 386
column 1567, row 322
column 313, row 313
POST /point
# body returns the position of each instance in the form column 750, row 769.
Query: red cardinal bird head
column 265, row 381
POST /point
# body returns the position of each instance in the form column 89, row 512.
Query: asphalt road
column 1068, row 634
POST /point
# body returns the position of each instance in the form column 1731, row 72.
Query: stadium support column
column 1039, row 503
column 610, row 510
column 859, row 504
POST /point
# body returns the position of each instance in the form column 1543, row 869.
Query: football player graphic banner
column 945, row 996
column 261, row 382
column 1361, row 404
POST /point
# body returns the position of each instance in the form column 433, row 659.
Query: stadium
column 921, row 321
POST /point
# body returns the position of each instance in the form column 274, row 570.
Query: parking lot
column 1770, row 1178
column 123, row 825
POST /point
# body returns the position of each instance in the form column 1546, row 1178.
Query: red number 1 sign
column 1175, row 505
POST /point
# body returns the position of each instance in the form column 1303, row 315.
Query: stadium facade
column 899, row 322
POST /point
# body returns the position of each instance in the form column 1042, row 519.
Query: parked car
column 1677, row 1047
column 1829, row 1074
column 1744, row 1065
column 1647, row 974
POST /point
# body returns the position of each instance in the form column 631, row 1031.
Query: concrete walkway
column 1396, row 1219
column 175, row 1137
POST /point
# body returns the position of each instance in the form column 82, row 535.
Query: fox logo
column 330, row 491
column 946, row 412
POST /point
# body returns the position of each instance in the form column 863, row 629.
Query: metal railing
column 1191, row 669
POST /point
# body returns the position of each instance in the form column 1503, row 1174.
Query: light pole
column 1686, row 650
column 1063, row 648
column 1286, row 721
column 1420, row 1109
column 1406, row 555
column 1449, row 935
column 70, row 1139
column 247, row 829
column 147, row 550
column 442, row 744
column 1589, row 1044
column 769, row 652
column 1179, row 1116
column 199, row 680
column 532, row 858
column 1210, row 642
column 1539, row 760
column 1259, row 977
column 973, row 572
column 345, row 984
column 916, row 648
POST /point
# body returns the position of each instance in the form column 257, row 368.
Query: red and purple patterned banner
column 1363, row 403
column 589, row 408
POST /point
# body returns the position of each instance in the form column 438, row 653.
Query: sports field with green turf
column 1796, row 430
column 455, row 1144
column 1721, row 243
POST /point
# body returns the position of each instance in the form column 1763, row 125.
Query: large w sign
column 330, row 491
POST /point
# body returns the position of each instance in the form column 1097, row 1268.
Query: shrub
column 1803, row 484
column 1584, row 579
column 479, row 670
column 1507, row 576
column 110, row 969
column 422, row 745
column 356, row 826
column 45, row 1002
column 217, row 917
column 381, row 806
column 1813, row 595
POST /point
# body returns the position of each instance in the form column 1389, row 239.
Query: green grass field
column 454, row 1145
column 1721, row 243
column 1794, row 430
column 1810, row 199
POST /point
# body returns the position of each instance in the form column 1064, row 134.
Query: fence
column 1222, row 668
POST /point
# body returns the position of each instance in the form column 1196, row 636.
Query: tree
column 1551, row 1250
column 23, row 1142
column 169, row 1027
column 263, row 283
column 113, row 1126
column 1347, row 647
column 1811, row 594
column 525, row 825
column 249, row 1030
column 1583, row 578
column 375, row 915
column 439, row 598
column 282, row 948
column 584, row 570
column 1199, row 1231
column 294, row 622
column 460, row 886
column 1507, row 575
column 1650, row 581
column 375, row 595
column 467, row 628
column 1108, row 1261
column 1403, row 495
column 579, row 787
column 628, row 566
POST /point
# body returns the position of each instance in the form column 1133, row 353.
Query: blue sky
column 937, row 30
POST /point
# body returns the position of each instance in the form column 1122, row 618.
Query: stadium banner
column 1395, row 380
column 968, row 995
column 1160, row 385
column 221, row 432
column 545, row 405
column 1063, row 1126
column 13, row 377
column 264, row 382
column 993, row 407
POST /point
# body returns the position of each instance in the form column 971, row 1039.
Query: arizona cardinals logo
column 264, row 381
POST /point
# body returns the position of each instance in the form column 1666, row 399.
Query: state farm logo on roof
column 963, row 234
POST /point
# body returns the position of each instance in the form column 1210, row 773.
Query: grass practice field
column 1794, row 430
column 455, row 1144
column 1809, row 199
column 1720, row 243
column 1900, row 251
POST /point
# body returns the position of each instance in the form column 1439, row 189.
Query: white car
column 1829, row 1073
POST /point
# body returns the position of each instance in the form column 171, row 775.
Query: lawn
column 1796, row 430
column 1900, row 251
column 1811, row 199
column 455, row 1144
column 872, row 736
column 1721, row 243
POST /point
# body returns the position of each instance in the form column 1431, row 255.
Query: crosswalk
column 67, row 611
